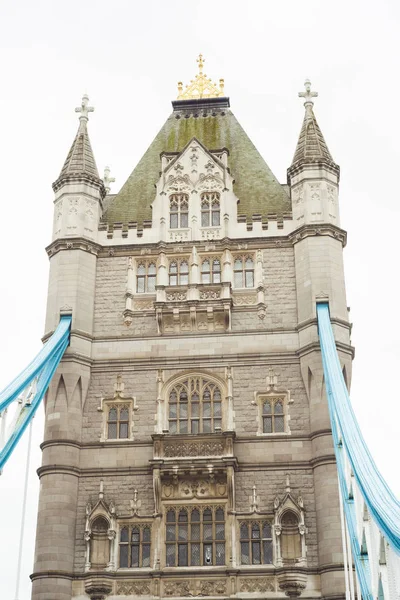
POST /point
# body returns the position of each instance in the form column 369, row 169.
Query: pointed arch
column 76, row 398
column 61, row 401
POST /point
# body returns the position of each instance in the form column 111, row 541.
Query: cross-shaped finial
column 201, row 62
column 107, row 179
column 308, row 95
column 84, row 109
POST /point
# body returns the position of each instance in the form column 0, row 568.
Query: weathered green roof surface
column 255, row 185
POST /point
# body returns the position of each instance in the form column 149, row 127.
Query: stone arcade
column 187, row 446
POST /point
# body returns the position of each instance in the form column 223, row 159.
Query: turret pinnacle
column 80, row 162
column 311, row 146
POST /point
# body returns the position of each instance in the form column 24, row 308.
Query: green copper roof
column 255, row 185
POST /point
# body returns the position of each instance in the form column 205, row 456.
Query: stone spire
column 80, row 163
column 311, row 146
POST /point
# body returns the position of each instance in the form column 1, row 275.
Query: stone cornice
column 76, row 243
column 321, row 229
column 315, row 347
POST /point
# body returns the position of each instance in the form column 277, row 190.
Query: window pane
column 173, row 280
column 112, row 431
column 205, row 219
column 135, row 555
column 183, row 426
column 244, row 531
column 171, row 516
column 216, row 277
column 217, row 409
column 216, row 265
column 207, row 426
column 146, row 534
column 195, row 533
column 173, row 267
column 173, row 411
column 267, row 425
column 207, row 531
column 195, row 426
column 256, row 553
column 219, row 531
column 249, row 263
column 173, row 220
column 184, row 219
column 183, row 516
column 245, row 553
column 255, row 531
column 123, row 556
column 207, row 556
column 267, row 408
column 183, row 533
column 123, row 431
column 124, row 534
column 205, row 278
column 215, row 218
column 184, row 279
column 124, row 414
column 195, row 516
column 184, row 267
column 135, row 535
column 182, row 555
column 279, row 424
column 206, row 409
column 238, row 264
column 278, row 408
column 146, row 555
column 170, row 533
column 205, row 267
column 195, row 408
column 249, row 279
column 151, row 283
column 238, row 280
column 183, row 411
column 195, row 554
column 140, row 285
column 112, row 415
column 220, row 554
column 207, row 515
column 266, row 531
column 170, row 555
column 219, row 515
column 217, row 424
column 151, row 270
column 267, row 551
column 172, row 427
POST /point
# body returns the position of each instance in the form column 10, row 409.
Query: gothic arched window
column 255, row 543
column 178, row 211
column 146, row 278
column 135, row 546
column 118, row 423
column 273, row 419
column 211, row 270
column 195, row 406
column 290, row 536
column 243, row 272
column 210, row 209
column 195, row 536
column 178, row 272
column 99, row 544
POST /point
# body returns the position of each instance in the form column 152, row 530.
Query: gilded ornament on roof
column 201, row 86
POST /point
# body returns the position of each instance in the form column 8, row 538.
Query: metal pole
column 21, row 535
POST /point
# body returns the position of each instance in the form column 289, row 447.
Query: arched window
column 273, row 420
column 135, row 546
column 211, row 270
column 243, row 272
column 195, row 536
column 195, row 406
column 290, row 536
column 99, row 544
column 210, row 209
column 178, row 211
column 255, row 543
column 146, row 278
column 118, row 423
column 178, row 272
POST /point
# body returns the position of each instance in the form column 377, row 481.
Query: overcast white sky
column 128, row 57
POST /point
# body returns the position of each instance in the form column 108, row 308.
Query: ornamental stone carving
column 135, row 588
column 194, row 449
column 191, row 587
column 259, row 584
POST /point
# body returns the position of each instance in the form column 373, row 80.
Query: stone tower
column 187, row 446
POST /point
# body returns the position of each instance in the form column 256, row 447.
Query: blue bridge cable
column 49, row 361
column 382, row 505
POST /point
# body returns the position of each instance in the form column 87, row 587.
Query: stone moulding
column 138, row 587
column 257, row 584
column 193, row 587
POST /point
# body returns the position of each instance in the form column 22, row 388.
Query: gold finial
column 200, row 86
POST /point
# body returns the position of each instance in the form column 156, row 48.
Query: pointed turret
column 79, row 191
column 313, row 175
column 80, row 163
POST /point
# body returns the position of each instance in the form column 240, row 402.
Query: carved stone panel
column 194, row 587
column 141, row 587
column 257, row 584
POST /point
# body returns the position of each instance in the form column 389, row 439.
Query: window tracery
column 256, row 545
column 118, row 422
column 135, row 546
column 178, row 211
column 210, row 209
column 195, row 406
column 146, row 274
column 273, row 412
column 243, row 272
column 195, row 536
column 178, row 273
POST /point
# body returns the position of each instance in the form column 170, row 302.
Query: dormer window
column 178, row 272
column 211, row 270
column 210, row 209
column 178, row 211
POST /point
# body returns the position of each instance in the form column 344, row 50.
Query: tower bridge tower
column 187, row 446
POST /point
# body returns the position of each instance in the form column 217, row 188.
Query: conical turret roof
column 80, row 162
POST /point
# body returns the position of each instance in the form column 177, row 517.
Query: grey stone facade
column 255, row 343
